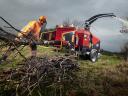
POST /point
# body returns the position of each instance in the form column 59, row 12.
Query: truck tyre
column 93, row 55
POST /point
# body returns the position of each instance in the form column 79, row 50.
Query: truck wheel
column 93, row 55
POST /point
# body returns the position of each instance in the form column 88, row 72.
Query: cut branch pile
column 38, row 74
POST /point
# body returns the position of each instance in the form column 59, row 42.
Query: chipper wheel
column 93, row 55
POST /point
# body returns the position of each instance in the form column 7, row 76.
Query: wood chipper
column 80, row 40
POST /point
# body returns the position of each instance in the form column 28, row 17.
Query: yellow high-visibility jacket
column 34, row 27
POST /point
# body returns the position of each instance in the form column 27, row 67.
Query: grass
column 104, row 78
column 107, row 77
column 13, row 61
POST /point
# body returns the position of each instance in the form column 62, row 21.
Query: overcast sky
column 20, row 12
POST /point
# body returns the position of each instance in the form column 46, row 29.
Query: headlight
column 97, row 45
column 85, row 36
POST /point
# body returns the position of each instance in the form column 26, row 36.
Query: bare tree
column 124, row 49
column 66, row 22
column 76, row 23
column 124, row 27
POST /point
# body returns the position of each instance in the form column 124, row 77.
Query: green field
column 107, row 77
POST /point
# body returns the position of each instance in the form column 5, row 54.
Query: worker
column 32, row 32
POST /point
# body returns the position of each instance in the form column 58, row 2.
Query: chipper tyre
column 93, row 55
